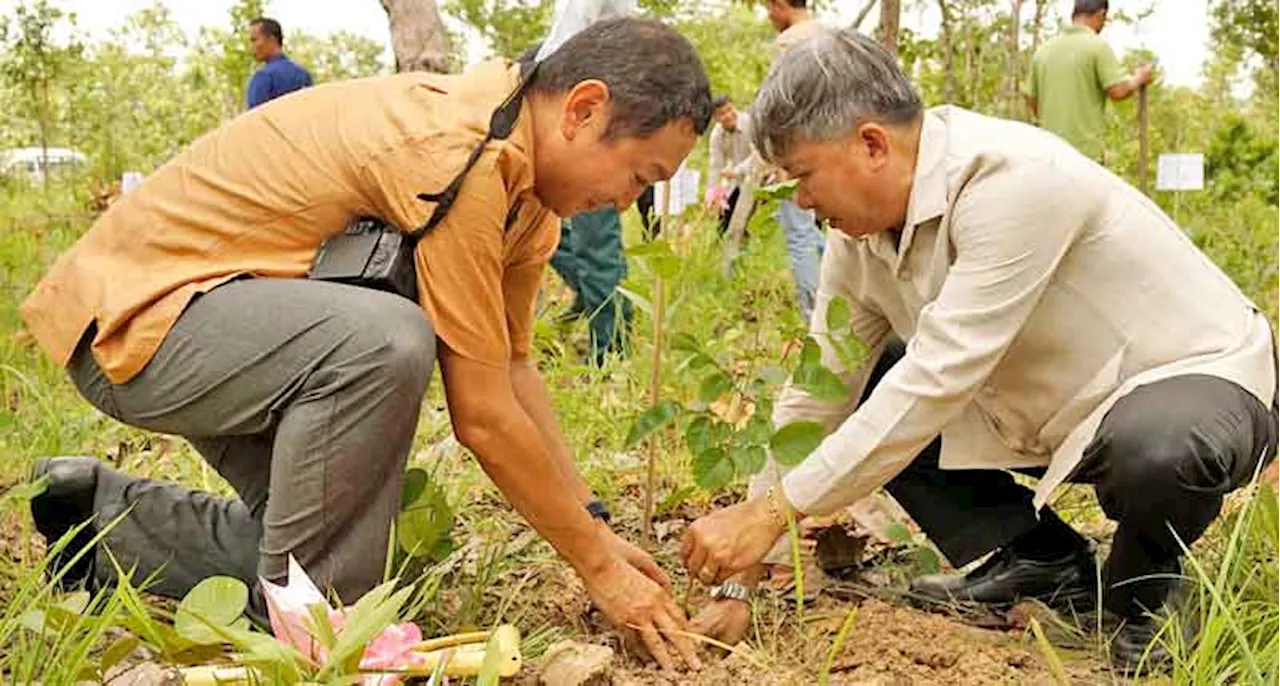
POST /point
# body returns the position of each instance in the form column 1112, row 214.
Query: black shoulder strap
column 501, row 124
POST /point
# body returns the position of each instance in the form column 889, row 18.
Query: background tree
column 32, row 62
column 418, row 36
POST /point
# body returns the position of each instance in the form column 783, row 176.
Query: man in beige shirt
column 1057, row 323
column 184, row 310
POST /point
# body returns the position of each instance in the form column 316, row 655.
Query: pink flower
column 288, row 609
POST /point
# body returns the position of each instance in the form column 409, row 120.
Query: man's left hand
column 729, row 541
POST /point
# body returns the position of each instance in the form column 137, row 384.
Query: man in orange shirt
column 183, row 310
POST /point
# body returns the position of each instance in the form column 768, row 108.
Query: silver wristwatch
column 731, row 590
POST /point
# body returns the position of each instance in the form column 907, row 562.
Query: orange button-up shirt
column 258, row 196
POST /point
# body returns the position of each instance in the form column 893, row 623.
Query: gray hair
column 826, row 87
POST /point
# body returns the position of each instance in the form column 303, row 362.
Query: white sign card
column 1180, row 172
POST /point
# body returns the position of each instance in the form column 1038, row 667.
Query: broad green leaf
column 423, row 523
column 777, row 191
column 714, row 385
column 748, row 459
column 415, row 481
column 321, row 628
column 897, row 532
column 839, row 315
column 218, row 600
column 29, row 490
column 697, row 435
column 927, row 560
column 823, row 384
column 712, row 469
column 35, row 621
column 793, row 442
column 651, row 420
column 758, row 430
column 810, row 355
column 116, row 652
column 658, row 257
column 649, row 249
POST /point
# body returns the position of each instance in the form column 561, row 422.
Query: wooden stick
column 655, row 379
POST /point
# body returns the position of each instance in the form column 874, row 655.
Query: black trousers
column 726, row 215
column 1160, row 462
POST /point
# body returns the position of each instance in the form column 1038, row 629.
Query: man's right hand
column 1144, row 74
column 635, row 603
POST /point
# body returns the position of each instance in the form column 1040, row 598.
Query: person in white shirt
column 731, row 158
column 1057, row 323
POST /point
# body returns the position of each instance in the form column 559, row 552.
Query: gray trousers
column 304, row 396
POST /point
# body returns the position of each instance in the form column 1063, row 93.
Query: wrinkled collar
column 928, row 199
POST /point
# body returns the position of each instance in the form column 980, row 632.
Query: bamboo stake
column 655, row 378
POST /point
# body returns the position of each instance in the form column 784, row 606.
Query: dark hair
column 654, row 75
column 720, row 101
column 1089, row 7
column 271, row 27
column 798, row 4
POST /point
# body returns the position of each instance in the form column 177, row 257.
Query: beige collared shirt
column 1034, row 289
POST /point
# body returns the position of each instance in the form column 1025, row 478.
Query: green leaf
column 823, row 384
column 117, row 651
column 898, row 533
column 217, row 601
column 758, row 430
column 423, row 523
column 321, row 628
column 641, row 302
column 685, row 342
column 658, row 257
column 927, row 560
column 651, row 420
column 839, row 315
column 810, row 355
column 793, row 442
column 697, row 435
column 748, row 459
column 777, row 191
column 715, row 385
column 712, row 469
column 28, row 490
column 415, row 481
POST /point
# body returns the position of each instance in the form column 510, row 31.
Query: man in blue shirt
column 279, row 75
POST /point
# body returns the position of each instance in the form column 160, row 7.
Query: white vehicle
column 36, row 162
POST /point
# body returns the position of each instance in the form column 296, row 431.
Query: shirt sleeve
column 1108, row 67
column 1010, row 230
column 523, row 278
column 259, row 90
column 460, row 261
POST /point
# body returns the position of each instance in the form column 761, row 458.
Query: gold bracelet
column 775, row 507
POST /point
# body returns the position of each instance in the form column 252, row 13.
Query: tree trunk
column 418, row 37
column 1013, row 79
column 948, row 51
column 1037, row 26
column 890, row 11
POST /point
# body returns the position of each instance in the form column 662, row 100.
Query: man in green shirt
column 1073, row 75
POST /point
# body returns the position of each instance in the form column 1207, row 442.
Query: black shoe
column 1005, row 578
column 1135, row 648
column 66, row 503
